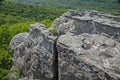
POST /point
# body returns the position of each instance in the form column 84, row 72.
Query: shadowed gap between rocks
column 55, row 62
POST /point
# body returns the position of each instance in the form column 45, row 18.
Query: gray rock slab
column 88, row 57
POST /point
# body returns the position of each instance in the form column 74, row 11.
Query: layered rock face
column 34, row 53
column 86, row 48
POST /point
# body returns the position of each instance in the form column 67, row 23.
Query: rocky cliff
column 87, row 47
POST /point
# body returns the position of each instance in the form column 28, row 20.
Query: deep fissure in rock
column 55, row 61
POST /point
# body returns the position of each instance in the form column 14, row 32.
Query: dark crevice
column 55, row 61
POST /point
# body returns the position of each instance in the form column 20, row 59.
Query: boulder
column 88, row 57
column 34, row 53
column 87, row 47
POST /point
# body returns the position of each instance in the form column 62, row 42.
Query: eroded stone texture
column 92, row 22
column 87, row 48
column 88, row 57
column 33, row 53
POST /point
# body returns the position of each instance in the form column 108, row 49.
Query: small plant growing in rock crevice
column 54, row 30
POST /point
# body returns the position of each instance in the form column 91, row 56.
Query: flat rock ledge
column 87, row 47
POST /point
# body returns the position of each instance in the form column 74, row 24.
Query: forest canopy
column 101, row 5
column 16, row 16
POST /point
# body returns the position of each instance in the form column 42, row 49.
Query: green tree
column 118, row 1
column 1, row 1
column 9, row 26
column 46, row 22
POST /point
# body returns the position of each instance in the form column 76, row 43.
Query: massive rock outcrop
column 34, row 53
column 86, row 48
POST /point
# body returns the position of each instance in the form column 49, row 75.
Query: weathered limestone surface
column 34, row 54
column 86, row 48
column 92, row 22
column 89, row 48
column 88, row 57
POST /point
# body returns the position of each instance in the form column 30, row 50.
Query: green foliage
column 1, row 1
column 101, row 5
column 54, row 30
column 34, row 12
column 46, row 22
column 4, row 35
column 118, row 1
column 5, row 63
column 19, row 28
column 17, row 72
column 11, row 26
column 16, row 18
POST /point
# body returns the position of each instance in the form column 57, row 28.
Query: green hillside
column 9, row 26
column 101, row 5
column 30, row 11
column 16, row 18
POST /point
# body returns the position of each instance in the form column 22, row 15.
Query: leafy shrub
column 12, row 26
column 46, row 22
column 5, row 63
column 19, row 28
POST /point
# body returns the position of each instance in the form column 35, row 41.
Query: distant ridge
column 100, row 5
